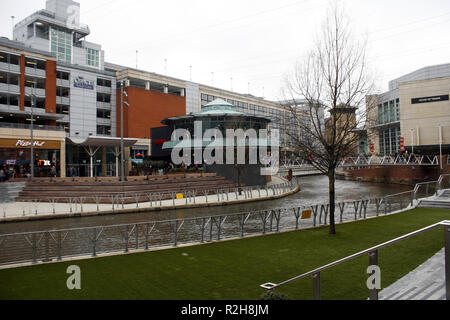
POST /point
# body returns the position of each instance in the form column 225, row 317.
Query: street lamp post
column 122, row 160
column 412, row 140
column 33, row 102
column 33, row 99
column 440, row 146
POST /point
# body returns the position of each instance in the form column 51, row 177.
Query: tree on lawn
column 333, row 79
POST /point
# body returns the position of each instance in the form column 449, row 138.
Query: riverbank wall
column 395, row 174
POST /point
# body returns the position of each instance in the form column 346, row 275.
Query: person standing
column 2, row 175
column 53, row 172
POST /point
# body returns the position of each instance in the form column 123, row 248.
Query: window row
column 9, row 58
column 389, row 112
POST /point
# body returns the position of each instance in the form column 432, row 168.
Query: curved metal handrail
column 316, row 272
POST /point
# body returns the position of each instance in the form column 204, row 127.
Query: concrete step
column 9, row 191
column 434, row 204
column 427, row 282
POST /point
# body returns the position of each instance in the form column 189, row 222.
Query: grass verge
column 233, row 270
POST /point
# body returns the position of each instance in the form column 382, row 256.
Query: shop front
column 15, row 157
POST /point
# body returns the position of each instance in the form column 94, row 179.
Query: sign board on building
column 26, row 144
column 23, row 143
column 430, row 99
column 81, row 82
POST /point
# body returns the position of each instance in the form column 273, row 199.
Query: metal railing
column 421, row 160
column 142, row 200
column 373, row 261
column 59, row 244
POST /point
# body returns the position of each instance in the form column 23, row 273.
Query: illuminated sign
column 44, row 163
column 23, row 143
column 81, row 82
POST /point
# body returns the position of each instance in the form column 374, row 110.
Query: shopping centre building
column 417, row 109
column 49, row 68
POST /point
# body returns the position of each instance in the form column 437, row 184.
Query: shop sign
column 430, row 99
column 81, row 82
column 23, row 143
column 44, row 163
column 11, row 162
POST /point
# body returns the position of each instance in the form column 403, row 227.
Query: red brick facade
column 147, row 109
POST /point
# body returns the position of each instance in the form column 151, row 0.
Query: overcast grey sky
column 255, row 41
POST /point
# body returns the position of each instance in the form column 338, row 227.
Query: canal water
column 314, row 190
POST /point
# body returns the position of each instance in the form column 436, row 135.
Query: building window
column 92, row 57
column 61, row 44
column 104, row 82
column 104, row 114
column 62, row 109
column 62, row 75
column 392, row 112
column 104, row 130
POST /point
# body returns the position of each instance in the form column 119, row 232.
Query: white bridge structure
column 367, row 161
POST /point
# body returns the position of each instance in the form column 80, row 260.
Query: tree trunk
column 332, row 199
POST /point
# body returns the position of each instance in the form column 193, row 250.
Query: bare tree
column 333, row 80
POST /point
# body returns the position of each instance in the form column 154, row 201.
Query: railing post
column 373, row 261
column 316, row 286
column 126, row 238
column 242, row 224
column 447, row 261
column 58, row 237
column 47, row 236
column 94, row 242
column 146, row 236
column 175, row 241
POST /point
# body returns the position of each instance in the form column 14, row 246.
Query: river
column 314, row 189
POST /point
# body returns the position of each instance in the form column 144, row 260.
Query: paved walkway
column 36, row 210
column 427, row 282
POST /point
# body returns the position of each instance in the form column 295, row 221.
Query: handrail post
column 447, row 261
column 373, row 261
column 316, row 286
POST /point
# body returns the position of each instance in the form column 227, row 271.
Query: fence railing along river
column 92, row 241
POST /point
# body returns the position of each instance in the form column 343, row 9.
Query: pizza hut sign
column 81, row 82
column 23, row 143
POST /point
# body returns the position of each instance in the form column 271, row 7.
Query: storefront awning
column 95, row 141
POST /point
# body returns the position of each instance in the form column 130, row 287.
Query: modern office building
column 79, row 95
column 416, row 108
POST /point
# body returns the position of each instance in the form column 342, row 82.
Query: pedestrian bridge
column 367, row 161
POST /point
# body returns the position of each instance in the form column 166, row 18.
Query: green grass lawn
column 233, row 270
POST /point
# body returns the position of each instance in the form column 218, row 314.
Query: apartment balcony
column 9, row 67
column 38, row 92
column 9, row 88
column 102, row 89
column 35, row 72
column 104, row 105
column 103, row 122
column 63, row 83
column 63, row 100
